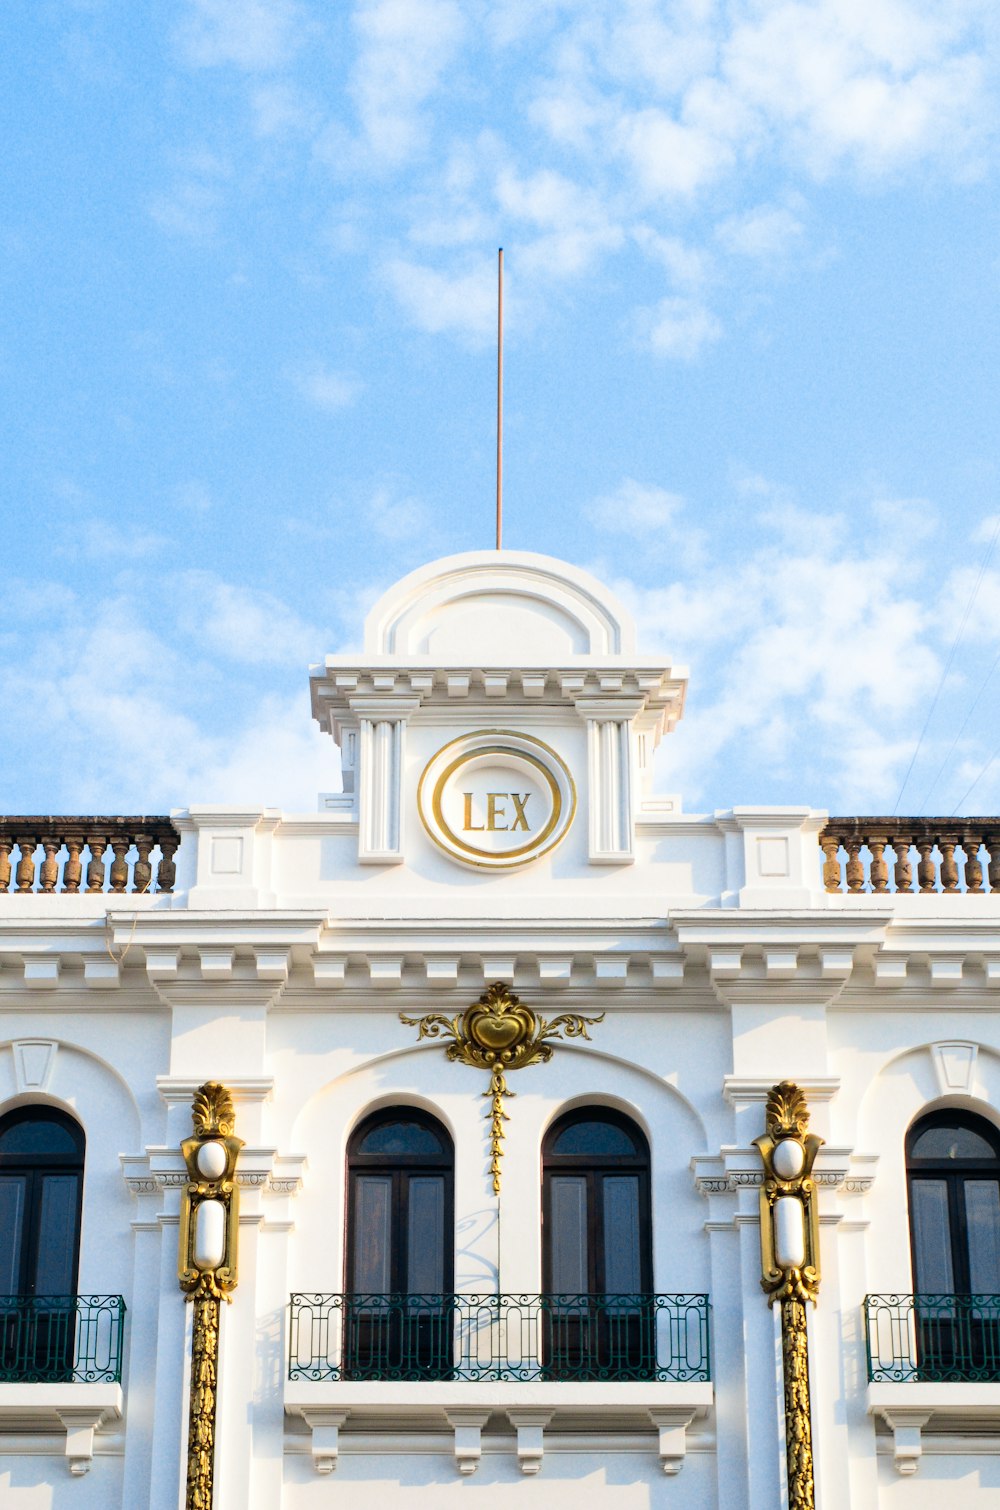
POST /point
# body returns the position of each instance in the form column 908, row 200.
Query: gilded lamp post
column 206, row 1268
column 789, row 1245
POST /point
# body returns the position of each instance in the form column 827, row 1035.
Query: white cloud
column 405, row 47
column 680, row 327
column 254, row 35
column 809, row 663
column 462, row 303
column 635, row 509
column 323, row 387
column 102, row 541
column 765, row 232
column 241, row 623
column 396, row 519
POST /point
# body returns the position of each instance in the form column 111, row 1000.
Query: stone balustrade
column 927, row 854
column 74, row 853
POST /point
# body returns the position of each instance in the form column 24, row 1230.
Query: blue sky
column 248, row 249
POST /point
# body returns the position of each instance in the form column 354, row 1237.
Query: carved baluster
column 926, row 868
column 119, row 865
column 166, row 871
column 904, row 870
column 855, row 869
column 95, row 870
column 142, row 871
column 26, row 865
column 993, row 846
column 73, row 869
column 879, row 870
column 6, row 845
column 973, row 865
column 831, row 862
column 49, row 873
column 949, row 865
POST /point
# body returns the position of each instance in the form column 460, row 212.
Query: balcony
column 61, row 1367
column 68, row 855
column 931, row 1359
column 620, row 1362
column 929, row 855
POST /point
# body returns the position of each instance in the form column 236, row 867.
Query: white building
column 596, row 1332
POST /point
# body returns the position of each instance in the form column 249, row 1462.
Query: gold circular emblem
column 496, row 798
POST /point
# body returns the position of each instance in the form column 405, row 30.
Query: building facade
column 498, row 1025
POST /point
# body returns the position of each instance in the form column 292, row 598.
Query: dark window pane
column 931, row 1237
column 951, row 1143
column 982, row 1212
column 372, row 1206
column 426, row 1237
column 600, row 1139
column 12, row 1196
column 394, row 1138
column 55, row 1268
column 37, row 1136
column 622, row 1268
column 569, row 1234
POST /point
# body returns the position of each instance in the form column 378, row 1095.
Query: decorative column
column 206, row 1268
column 609, row 762
column 382, row 727
column 789, row 1246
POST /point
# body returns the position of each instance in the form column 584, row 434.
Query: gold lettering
column 495, row 810
column 520, row 801
column 468, row 825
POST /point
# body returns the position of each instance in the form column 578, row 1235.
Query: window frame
column 954, row 1173
column 596, row 1167
column 401, row 1168
column 35, row 1167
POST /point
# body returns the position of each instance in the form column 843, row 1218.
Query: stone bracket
column 325, row 1427
column 906, row 1427
column 468, row 1428
column 530, row 1427
column 672, row 1426
column 81, row 1422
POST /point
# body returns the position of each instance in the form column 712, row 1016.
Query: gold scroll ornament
column 790, row 1270
column 206, row 1268
column 499, row 1033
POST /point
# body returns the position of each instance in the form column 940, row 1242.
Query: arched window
column 400, row 1246
column 596, row 1251
column 953, row 1165
column 41, row 1187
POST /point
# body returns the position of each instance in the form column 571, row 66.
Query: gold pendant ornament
column 790, row 1272
column 499, row 1033
column 206, row 1268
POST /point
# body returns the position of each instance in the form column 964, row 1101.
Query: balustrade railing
column 933, row 1338
column 71, row 854
column 499, row 1337
column 61, row 1339
column 911, row 854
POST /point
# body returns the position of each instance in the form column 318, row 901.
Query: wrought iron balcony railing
column 508, row 1338
column 61, row 1339
column 933, row 1338
column 927, row 855
column 65, row 842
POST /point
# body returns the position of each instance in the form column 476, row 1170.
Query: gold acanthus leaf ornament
column 212, row 1111
column 787, row 1111
column 499, row 1033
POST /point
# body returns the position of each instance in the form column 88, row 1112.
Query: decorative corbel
column 530, row 1427
column 468, row 1428
column 672, row 1427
